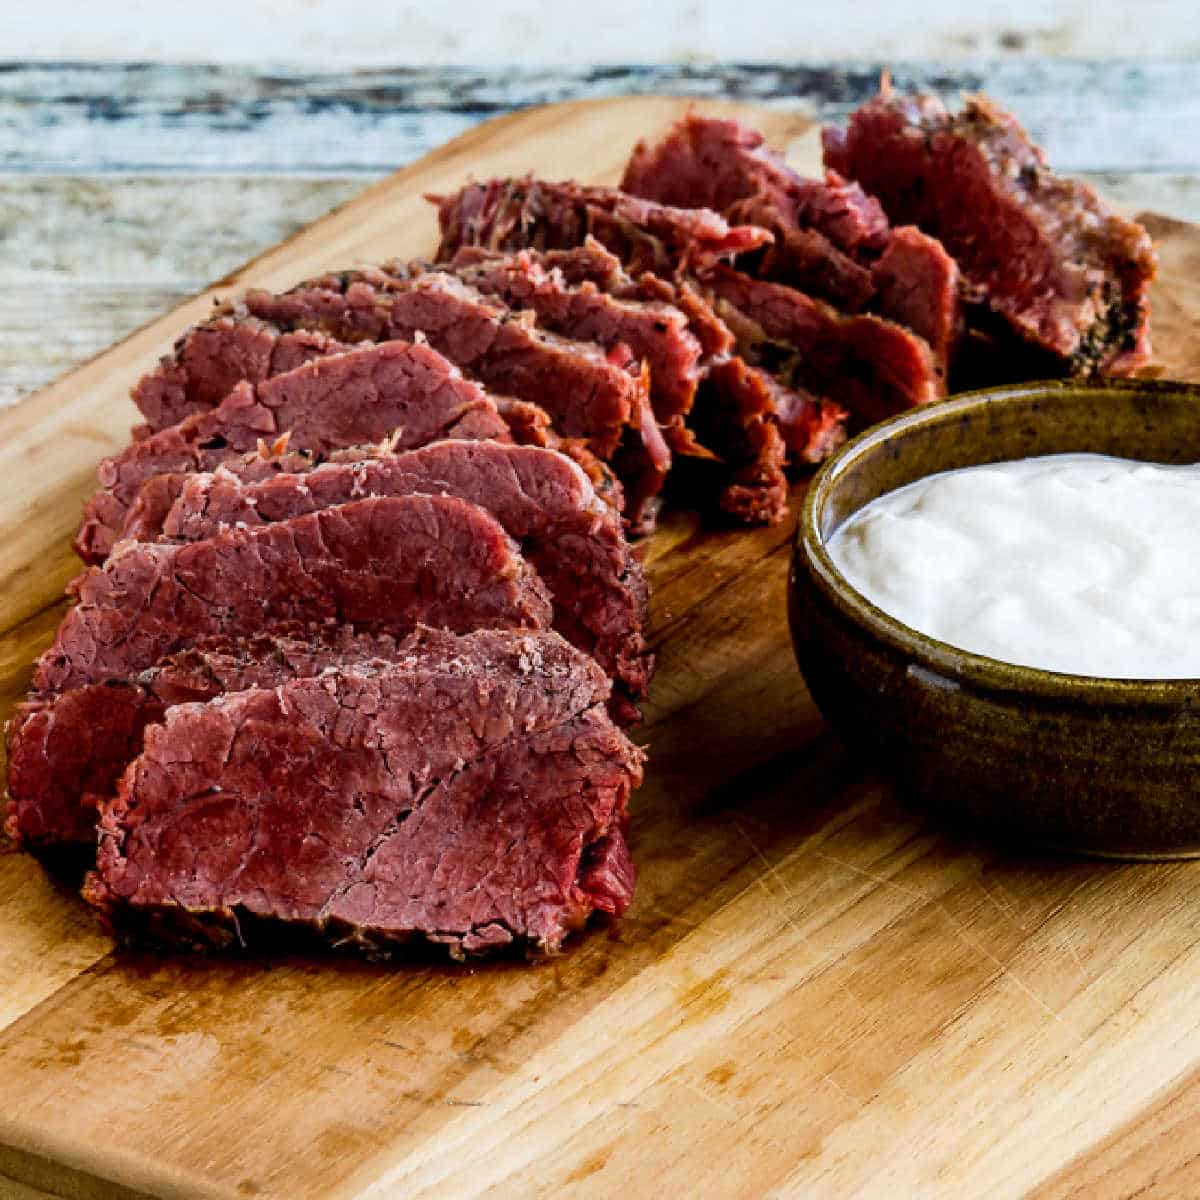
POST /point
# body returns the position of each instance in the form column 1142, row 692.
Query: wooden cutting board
column 814, row 994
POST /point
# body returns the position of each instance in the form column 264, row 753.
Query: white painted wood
column 79, row 120
column 325, row 34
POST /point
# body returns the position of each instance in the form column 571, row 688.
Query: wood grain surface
column 816, row 992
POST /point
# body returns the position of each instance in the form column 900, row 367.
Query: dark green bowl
column 1092, row 765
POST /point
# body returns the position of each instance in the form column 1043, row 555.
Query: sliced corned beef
column 589, row 393
column 403, row 390
column 585, row 395
column 541, row 498
column 533, row 214
column 381, row 565
column 67, row 751
column 530, row 425
column 821, row 227
column 918, row 284
column 832, row 240
column 803, row 258
column 710, row 162
column 655, row 332
column 472, row 792
column 590, row 262
column 734, row 433
column 145, row 516
column 210, row 359
column 735, row 411
column 868, row 364
column 1043, row 252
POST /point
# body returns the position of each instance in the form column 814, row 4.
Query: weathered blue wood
column 87, row 119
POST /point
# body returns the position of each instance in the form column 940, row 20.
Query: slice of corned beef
column 540, row 497
column 804, row 258
column 708, row 162
column 472, row 792
column 745, row 421
column 919, row 285
column 145, row 516
column 585, row 395
column 381, row 565
column 870, row 365
column 822, row 228
column 655, row 332
column 735, row 412
column 403, row 390
column 533, row 214
column 1045, row 253
column 209, row 360
column 530, row 425
column 591, row 394
column 590, row 262
column 67, row 751
column 759, row 424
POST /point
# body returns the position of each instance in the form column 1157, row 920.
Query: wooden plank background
column 125, row 188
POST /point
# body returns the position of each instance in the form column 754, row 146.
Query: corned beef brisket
column 596, row 394
column 471, row 790
column 1044, row 253
column 381, row 565
column 542, row 499
column 314, row 687
column 67, row 751
column 402, row 390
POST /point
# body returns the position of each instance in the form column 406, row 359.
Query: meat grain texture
column 402, row 390
column 390, row 806
column 1043, row 253
column 66, row 751
column 542, row 499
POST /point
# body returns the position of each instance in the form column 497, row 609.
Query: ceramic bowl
column 1080, row 763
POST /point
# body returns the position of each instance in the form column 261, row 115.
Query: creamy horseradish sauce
column 1072, row 562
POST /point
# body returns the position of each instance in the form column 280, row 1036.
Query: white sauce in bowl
column 1072, row 562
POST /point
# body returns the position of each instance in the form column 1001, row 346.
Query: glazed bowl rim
column 940, row 660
